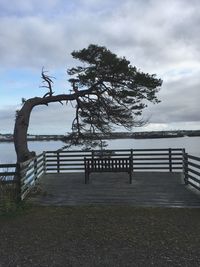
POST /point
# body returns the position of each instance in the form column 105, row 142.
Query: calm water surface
column 7, row 150
column 191, row 144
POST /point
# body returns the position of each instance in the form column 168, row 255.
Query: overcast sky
column 159, row 37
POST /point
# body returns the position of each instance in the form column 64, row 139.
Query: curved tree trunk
column 23, row 118
column 20, row 132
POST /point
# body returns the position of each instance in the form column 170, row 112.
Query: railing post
column 58, row 162
column 132, row 160
column 185, row 167
column 86, row 166
column 19, row 185
column 170, row 159
column 35, row 168
column 44, row 162
column 131, row 169
column 21, row 179
column 183, row 159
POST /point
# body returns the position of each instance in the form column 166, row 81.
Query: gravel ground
column 100, row 236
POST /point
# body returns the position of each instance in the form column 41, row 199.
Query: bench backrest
column 108, row 164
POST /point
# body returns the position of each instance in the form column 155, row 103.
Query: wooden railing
column 143, row 159
column 7, row 172
column 26, row 174
column 170, row 160
column 191, row 166
column 9, row 187
column 30, row 171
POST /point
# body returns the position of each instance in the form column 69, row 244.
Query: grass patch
column 11, row 209
column 8, row 198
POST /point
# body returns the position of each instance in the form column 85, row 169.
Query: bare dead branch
column 47, row 79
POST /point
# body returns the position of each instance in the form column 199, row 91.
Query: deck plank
column 148, row 189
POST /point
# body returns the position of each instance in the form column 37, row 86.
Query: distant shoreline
column 4, row 138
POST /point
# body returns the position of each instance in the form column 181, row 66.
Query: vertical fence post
column 35, row 168
column 170, row 159
column 185, row 167
column 132, row 160
column 44, row 162
column 183, row 159
column 130, row 168
column 58, row 162
column 19, row 182
column 85, row 166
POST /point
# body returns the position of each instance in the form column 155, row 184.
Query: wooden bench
column 108, row 165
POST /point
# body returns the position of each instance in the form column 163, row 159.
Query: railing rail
column 7, row 172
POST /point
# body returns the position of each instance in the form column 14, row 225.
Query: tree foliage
column 118, row 92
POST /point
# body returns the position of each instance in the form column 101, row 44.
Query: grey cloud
column 29, row 7
column 157, row 36
column 155, row 39
column 180, row 102
column 7, row 119
column 52, row 119
column 145, row 31
column 35, row 42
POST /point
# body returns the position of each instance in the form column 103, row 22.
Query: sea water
column 191, row 144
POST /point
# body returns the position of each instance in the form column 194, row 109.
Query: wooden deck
column 147, row 189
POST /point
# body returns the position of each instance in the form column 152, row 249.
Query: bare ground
column 100, row 236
